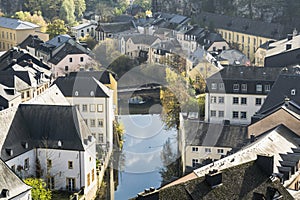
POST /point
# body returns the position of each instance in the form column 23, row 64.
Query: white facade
column 220, row 45
column 71, row 63
column 84, row 29
column 197, row 154
column 61, row 169
column 98, row 114
column 237, row 108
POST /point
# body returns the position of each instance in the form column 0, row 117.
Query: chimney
column 288, row 46
column 266, row 163
column 290, row 37
column 5, row 193
column 252, row 138
column 213, row 178
column 58, row 38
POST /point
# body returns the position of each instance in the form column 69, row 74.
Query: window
column 70, row 59
column 235, row 114
column 221, row 113
column 221, row 86
column 254, row 41
column 92, row 108
column 244, row 87
column 293, row 92
column 258, row 101
column 88, row 179
column 243, row 115
column 237, row 38
column 267, row 88
column 66, row 68
column 214, row 86
column 100, row 137
column 221, row 100
column 49, row 163
column 27, row 94
column 194, row 149
column 213, row 99
column 100, row 108
column 235, row 100
column 197, row 79
column 100, row 122
column 81, row 59
column 93, row 175
column 248, row 40
column 22, row 95
column 236, row 87
column 207, row 150
column 243, row 39
column 259, row 88
column 70, row 184
column 84, row 108
column 50, row 183
column 93, row 122
column 85, row 121
column 26, row 164
column 195, row 162
column 70, row 164
column 243, row 100
column 220, row 150
column 10, row 36
column 213, row 113
column 229, row 36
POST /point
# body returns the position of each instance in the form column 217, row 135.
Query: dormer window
column 214, row 86
column 293, row 92
column 59, row 144
column 259, row 88
column 236, row 87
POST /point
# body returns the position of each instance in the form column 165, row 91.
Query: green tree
column 57, row 27
column 67, row 12
column 39, row 190
column 80, row 7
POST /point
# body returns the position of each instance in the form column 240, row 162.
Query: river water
column 143, row 142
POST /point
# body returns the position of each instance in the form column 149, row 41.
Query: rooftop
column 16, row 24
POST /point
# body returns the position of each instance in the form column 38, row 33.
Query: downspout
column 80, row 179
column 106, row 122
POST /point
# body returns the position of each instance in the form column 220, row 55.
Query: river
column 143, row 142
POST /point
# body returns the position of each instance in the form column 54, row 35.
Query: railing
column 78, row 195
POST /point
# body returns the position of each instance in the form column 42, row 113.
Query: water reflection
column 144, row 139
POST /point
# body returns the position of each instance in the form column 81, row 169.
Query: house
column 264, row 169
column 189, row 36
column 261, row 52
column 11, row 186
column 283, row 53
column 213, row 42
column 95, row 102
column 107, row 30
column 71, row 57
column 245, row 34
column 31, row 44
column 24, row 73
column 138, row 45
column 236, row 92
column 84, row 29
column 14, row 31
column 63, row 154
column 201, row 143
column 108, row 78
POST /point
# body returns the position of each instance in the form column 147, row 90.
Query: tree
column 39, row 191
column 91, row 42
column 67, row 12
column 170, row 162
column 57, row 27
column 80, row 7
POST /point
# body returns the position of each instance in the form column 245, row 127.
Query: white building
column 52, row 142
column 84, row 29
column 236, row 93
column 201, row 143
column 95, row 102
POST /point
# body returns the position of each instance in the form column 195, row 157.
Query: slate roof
column 16, row 24
column 70, row 47
column 238, row 182
column 42, row 126
column 32, row 41
column 10, row 181
column 123, row 18
column 251, row 76
column 243, row 25
column 142, row 39
column 199, row 133
column 102, row 76
column 8, row 59
column 234, row 57
column 114, row 27
column 83, row 25
column 58, row 40
column 287, row 82
column 209, row 39
column 81, row 86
